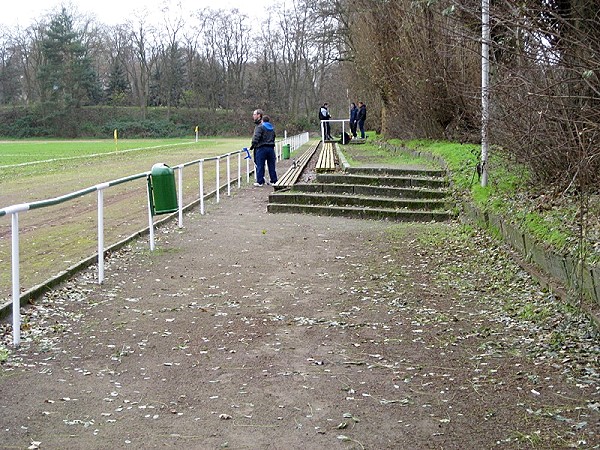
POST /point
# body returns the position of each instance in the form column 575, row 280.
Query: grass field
column 56, row 237
column 30, row 151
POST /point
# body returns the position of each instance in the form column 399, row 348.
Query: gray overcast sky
column 111, row 12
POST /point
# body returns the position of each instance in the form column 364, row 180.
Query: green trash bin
column 285, row 150
column 161, row 188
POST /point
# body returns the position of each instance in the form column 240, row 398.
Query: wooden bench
column 290, row 177
column 327, row 158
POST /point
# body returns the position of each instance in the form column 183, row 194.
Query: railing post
column 239, row 167
column 201, row 181
column 150, row 221
column 16, row 287
column 180, row 194
column 248, row 171
column 100, row 235
column 218, row 170
column 228, row 174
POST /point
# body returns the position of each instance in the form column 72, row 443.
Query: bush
column 22, row 122
column 146, row 129
column 100, row 122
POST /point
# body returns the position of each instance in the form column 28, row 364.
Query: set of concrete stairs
column 371, row 193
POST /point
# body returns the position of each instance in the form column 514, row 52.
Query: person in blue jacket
column 353, row 118
column 263, row 144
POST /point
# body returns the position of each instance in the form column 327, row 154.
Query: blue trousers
column 265, row 154
column 361, row 127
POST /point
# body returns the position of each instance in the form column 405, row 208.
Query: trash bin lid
column 161, row 169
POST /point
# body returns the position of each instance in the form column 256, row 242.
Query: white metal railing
column 14, row 210
column 342, row 121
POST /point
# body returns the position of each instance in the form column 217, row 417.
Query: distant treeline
column 210, row 68
column 101, row 121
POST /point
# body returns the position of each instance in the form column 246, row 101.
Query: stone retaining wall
column 565, row 269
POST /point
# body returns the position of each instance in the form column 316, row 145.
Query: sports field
column 56, row 237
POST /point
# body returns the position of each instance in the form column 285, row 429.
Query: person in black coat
column 263, row 144
column 361, row 117
column 325, row 116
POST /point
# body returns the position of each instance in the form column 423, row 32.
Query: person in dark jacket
column 325, row 116
column 353, row 118
column 361, row 117
column 263, row 144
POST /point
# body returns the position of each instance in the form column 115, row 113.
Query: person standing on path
column 353, row 118
column 263, row 144
column 361, row 117
column 324, row 117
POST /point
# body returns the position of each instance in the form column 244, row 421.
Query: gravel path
column 275, row 331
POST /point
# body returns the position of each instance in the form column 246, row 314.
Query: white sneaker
column 258, row 185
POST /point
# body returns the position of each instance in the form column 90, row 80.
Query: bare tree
column 141, row 59
column 10, row 70
column 296, row 57
column 547, row 89
column 192, row 61
column 226, row 40
column 423, row 64
column 169, row 67
column 24, row 44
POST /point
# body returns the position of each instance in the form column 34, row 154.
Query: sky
column 112, row 12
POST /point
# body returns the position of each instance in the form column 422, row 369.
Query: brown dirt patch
column 277, row 331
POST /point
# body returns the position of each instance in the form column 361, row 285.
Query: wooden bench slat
column 293, row 173
column 327, row 158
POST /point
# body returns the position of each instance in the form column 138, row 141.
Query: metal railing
column 330, row 121
column 14, row 210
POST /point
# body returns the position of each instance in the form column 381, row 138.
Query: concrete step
column 396, row 171
column 371, row 191
column 364, row 201
column 362, row 213
column 394, row 181
column 396, row 194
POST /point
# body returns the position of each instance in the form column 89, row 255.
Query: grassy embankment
column 510, row 192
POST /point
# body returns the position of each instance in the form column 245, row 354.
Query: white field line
column 92, row 155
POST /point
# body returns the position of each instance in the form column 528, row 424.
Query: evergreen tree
column 66, row 76
column 119, row 88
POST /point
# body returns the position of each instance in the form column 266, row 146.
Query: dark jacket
column 324, row 113
column 362, row 113
column 353, row 114
column 264, row 136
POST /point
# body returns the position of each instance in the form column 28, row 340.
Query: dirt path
column 249, row 330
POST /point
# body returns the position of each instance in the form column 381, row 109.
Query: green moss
column 506, row 194
column 4, row 353
column 534, row 313
column 481, row 195
column 545, row 230
column 373, row 152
